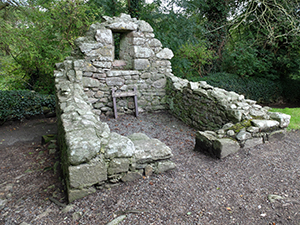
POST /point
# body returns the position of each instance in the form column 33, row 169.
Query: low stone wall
column 93, row 157
column 226, row 120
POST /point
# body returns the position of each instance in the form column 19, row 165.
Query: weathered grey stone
column 141, row 64
column 74, row 194
column 142, row 52
column 148, row 170
column 122, row 26
column 257, row 113
column 253, row 129
column 250, row 102
column 144, row 26
column 90, row 82
column 105, row 53
column 235, row 115
column 224, row 147
column 227, row 126
column 165, row 54
column 119, row 63
column 164, row 166
column 112, row 81
column 138, row 137
column 82, row 145
column 149, row 150
column 250, row 143
column 119, row 147
column 88, row 47
column 102, row 64
column 265, row 125
column 243, row 135
column 88, row 174
column 138, row 41
column 116, row 73
column 131, row 176
column 155, row 43
column 204, row 142
column 283, row 119
column 104, row 36
column 276, row 135
column 117, row 165
column 160, row 83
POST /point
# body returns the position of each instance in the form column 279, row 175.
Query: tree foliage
column 248, row 38
column 37, row 36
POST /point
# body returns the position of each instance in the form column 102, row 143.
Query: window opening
column 117, row 40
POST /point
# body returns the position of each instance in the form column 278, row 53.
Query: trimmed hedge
column 261, row 90
column 18, row 104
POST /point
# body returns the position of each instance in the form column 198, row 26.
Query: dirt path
column 255, row 186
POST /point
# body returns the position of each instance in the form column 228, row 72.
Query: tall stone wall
column 93, row 157
column 122, row 53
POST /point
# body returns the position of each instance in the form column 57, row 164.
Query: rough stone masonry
column 92, row 156
column 122, row 53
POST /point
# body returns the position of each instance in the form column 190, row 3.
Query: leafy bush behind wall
column 19, row 104
column 259, row 89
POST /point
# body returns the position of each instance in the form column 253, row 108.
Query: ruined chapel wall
column 143, row 64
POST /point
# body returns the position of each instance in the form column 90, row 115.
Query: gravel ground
column 255, row 186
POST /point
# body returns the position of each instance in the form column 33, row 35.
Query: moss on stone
column 242, row 125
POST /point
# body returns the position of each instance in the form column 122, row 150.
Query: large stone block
column 265, row 125
column 141, row 64
column 142, row 52
column 208, row 142
column 112, row 81
column 165, row 54
column 82, row 146
column 104, row 36
column 283, row 119
column 119, row 147
column 224, row 147
column 149, row 150
column 123, row 26
column 144, row 26
column 118, row 165
column 88, row 47
column 86, row 175
column 90, row 82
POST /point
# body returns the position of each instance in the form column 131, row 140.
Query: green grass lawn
column 294, row 112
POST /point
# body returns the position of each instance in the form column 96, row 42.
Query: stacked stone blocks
column 142, row 63
column 226, row 120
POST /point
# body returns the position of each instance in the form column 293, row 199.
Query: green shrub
column 291, row 90
column 260, row 89
column 21, row 103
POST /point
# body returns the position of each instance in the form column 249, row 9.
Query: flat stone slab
column 149, row 150
column 218, row 147
column 265, row 125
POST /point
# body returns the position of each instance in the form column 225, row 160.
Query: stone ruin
column 121, row 53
